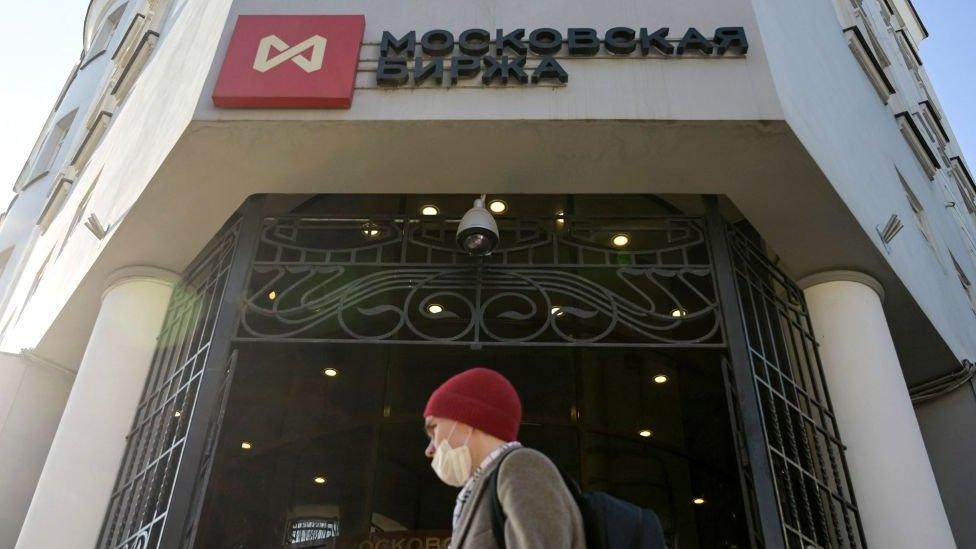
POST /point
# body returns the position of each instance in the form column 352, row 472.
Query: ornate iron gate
column 306, row 279
column 551, row 281
column 140, row 502
column 803, row 450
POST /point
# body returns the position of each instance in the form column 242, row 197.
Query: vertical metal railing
column 803, row 450
column 141, row 498
column 756, row 461
column 194, row 464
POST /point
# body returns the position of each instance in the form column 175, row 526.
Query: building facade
column 732, row 279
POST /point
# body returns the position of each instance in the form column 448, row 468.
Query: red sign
column 291, row 61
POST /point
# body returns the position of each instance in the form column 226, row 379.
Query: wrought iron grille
column 551, row 281
column 811, row 478
column 140, row 500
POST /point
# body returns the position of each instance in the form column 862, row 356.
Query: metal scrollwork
column 550, row 282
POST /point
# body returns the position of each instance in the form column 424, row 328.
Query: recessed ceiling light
column 557, row 311
column 435, row 309
column 371, row 229
column 678, row 312
column 319, row 480
column 646, row 433
column 429, row 210
column 177, row 413
column 660, row 378
column 330, row 372
column 497, row 206
column 620, row 240
column 272, row 295
column 245, row 445
column 698, row 501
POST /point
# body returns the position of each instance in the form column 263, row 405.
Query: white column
column 79, row 474
column 33, row 393
column 893, row 481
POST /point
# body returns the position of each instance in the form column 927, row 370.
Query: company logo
column 291, row 61
column 263, row 62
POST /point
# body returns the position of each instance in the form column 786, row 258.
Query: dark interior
column 359, row 432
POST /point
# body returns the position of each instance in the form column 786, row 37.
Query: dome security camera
column 477, row 232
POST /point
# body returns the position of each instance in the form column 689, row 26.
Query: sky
column 47, row 35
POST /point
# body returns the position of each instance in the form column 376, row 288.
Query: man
column 472, row 421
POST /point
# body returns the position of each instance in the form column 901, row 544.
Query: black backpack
column 609, row 522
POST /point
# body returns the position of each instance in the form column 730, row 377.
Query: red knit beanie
column 481, row 398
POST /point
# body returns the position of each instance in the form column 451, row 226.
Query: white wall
column 143, row 130
column 854, row 139
column 798, row 68
column 605, row 89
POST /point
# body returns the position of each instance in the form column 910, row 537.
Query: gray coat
column 539, row 508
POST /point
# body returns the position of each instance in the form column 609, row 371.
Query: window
column 920, row 218
column 965, row 181
column 912, row 132
column 79, row 213
column 55, row 200
column 879, row 52
column 106, row 31
column 964, row 184
column 4, row 258
column 869, row 63
column 912, row 60
column 97, row 128
column 6, row 325
column 37, row 279
column 52, row 146
column 131, row 65
column 934, row 122
column 887, row 12
column 967, row 285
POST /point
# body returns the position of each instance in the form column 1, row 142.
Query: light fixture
column 330, row 372
column 660, row 378
column 560, row 218
column 245, row 445
column 498, row 206
column 678, row 312
column 177, row 413
column 272, row 295
column 620, row 240
column 646, row 433
column 557, row 311
column 429, row 210
column 371, row 229
column 435, row 309
column 319, row 480
column 698, row 501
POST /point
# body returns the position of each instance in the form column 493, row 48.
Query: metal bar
column 208, row 393
column 741, row 454
column 770, row 521
column 214, row 440
column 467, row 342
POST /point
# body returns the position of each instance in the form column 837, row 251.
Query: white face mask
column 452, row 465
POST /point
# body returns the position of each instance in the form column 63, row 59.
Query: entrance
column 324, row 447
column 659, row 354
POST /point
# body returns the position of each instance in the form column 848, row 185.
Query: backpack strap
column 497, row 513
